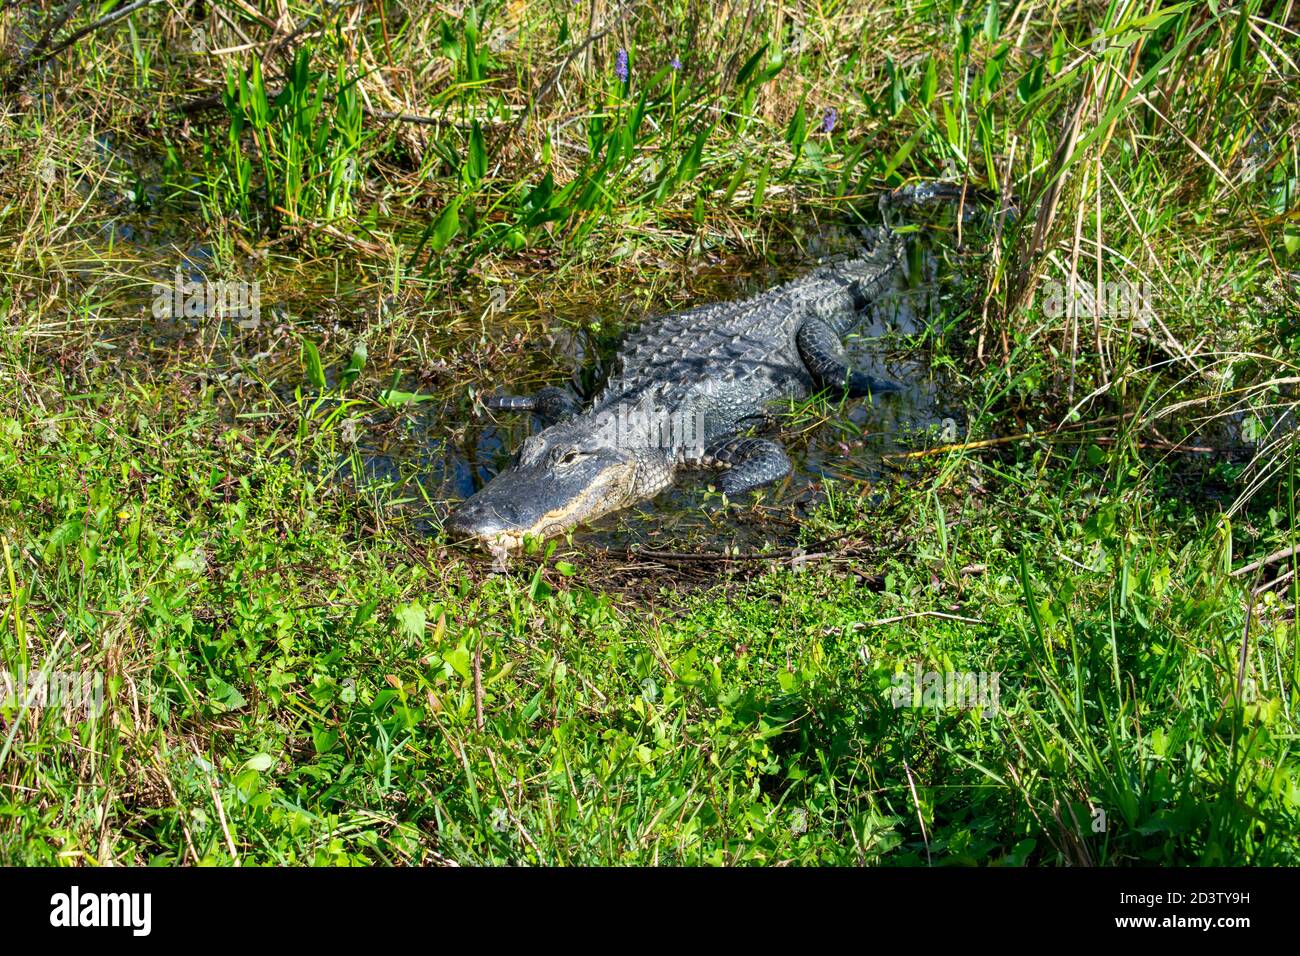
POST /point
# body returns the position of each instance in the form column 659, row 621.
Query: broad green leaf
column 929, row 82
column 447, row 227
column 458, row 660
column 476, row 161
column 411, row 619
column 393, row 398
column 261, row 763
column 312, row 364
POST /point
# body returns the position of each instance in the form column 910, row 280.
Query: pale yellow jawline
column 515, row 539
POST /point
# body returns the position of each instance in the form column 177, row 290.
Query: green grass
column 297, row 673
column 263, row 644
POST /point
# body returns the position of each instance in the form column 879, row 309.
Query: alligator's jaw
column 542, row 500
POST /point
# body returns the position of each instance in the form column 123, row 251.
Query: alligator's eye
column 562, row 457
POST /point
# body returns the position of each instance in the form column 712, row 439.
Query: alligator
column 687, row 392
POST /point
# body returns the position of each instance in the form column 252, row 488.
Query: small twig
column 1280, row 579
column 304, row 225
column 505, row 803
column 306, row 25
column 109, row 18
column 862, row 626
column 1269, row 559
column 1025, row 436
column 1005, row 439
column 964, row 446
column 1162, row 445
column 221, row 809
column 801, row 554
column 33, row 55
column 916, row 802
column 391, row 117
column 180, row 816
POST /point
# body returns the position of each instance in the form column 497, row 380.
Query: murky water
column 428, row 455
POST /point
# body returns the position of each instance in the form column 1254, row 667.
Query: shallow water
column 430, row 455
column 443, row 449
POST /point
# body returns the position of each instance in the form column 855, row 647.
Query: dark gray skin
column 687, row 387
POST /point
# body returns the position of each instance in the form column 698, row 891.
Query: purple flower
column 675, row 62
column 829, row 119
column 620, row 65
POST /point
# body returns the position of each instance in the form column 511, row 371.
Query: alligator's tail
column 870, row 275
column 877, row 268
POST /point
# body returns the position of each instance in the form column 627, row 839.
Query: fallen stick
column 1268, row 559
column 1280, row 579
column 862, row 626
column 1048, row 436
column 963, row 446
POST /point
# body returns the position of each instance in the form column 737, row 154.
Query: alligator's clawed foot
column 820, row 349
column 751, row 463
column 550, row 404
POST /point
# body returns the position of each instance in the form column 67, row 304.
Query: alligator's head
column 566, row 475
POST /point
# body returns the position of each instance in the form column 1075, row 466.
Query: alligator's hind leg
column 551, row 404
column 822, row 354
column 750, row 463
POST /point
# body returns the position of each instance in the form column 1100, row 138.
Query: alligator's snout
column 489, row 521
column 555, row 487
column 478, row 517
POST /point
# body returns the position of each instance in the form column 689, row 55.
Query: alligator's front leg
column 550, row 404
column 750, row 463
column 823, row 356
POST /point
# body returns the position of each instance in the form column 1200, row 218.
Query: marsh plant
column 302, row 138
